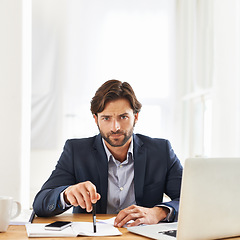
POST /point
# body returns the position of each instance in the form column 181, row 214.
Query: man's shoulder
column 88, row 141
column 147, row 139
column 152, row 144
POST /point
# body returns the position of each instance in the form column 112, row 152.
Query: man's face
column 116, row 122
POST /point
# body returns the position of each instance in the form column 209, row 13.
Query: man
column 122, row 172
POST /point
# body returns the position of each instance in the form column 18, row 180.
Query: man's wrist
column 65, row 204
column 169, row 211
column 65, row 198
column 161, row 213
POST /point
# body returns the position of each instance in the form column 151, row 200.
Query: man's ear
column 136, row 117
column 96, row 118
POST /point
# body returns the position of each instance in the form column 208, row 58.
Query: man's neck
column 119, row 153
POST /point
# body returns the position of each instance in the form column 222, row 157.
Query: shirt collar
column 109, row 155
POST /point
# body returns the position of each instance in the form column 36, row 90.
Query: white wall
column 14, row 134
column 48, row 71
column 10, row 94
column 208, row 65
column 226, row 90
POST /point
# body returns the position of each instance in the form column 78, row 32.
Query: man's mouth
column 116, row 135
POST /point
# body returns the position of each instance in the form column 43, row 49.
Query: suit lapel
column 140, row 157
column 102, row 166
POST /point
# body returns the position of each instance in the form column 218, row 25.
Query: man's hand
column 82, row 194
column 140, row 215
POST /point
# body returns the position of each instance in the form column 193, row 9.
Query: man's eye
column 106, row 118
column 123, row 117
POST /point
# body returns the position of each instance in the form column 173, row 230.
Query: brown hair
column 113, row 90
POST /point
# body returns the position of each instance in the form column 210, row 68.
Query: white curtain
column 48, row 28
column 208, row 72
column 226, row 96
column 195, row 44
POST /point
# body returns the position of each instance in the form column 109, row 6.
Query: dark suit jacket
column 157, row 170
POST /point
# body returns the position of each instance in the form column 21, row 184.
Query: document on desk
column 76, row 229
column 111, row 221
column 103, row 229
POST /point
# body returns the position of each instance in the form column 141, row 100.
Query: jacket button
column 50, row 207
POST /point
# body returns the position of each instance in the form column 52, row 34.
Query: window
column 198, row 124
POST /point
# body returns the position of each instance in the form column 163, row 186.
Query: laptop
column 209, row 204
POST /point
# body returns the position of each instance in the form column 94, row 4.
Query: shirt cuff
column 63, row 203
column 170, row 214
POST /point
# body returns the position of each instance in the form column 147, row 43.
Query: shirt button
column 121, row 188
column 120, row 166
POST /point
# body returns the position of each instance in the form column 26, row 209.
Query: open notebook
column 76, row 229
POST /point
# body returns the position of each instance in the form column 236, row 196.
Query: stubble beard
column 127, row 135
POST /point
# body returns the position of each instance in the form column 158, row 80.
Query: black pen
column 94, row 217
column 32, row 216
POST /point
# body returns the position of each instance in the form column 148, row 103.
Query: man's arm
column 173, row 181
column 47, row 202
column 159, row 212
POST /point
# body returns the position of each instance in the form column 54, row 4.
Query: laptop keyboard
column 172, row 233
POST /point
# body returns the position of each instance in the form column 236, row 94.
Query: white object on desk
column 38, row 230
column 76, row 229
column 22, row 219
column 111, row 221
column 209, row 203
column 6, row 213
column 103, row 229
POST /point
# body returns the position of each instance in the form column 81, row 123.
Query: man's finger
column 92, row 192
column 128, row 218
column 126, row 215
column 87, row 200
column 80, row 200
column 137, row 222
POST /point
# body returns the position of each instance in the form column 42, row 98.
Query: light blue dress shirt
column 120, row 181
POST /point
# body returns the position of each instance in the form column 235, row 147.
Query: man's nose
column 115, row 126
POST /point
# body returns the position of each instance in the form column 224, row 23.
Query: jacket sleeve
column 173, row 182
column 47, row 201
